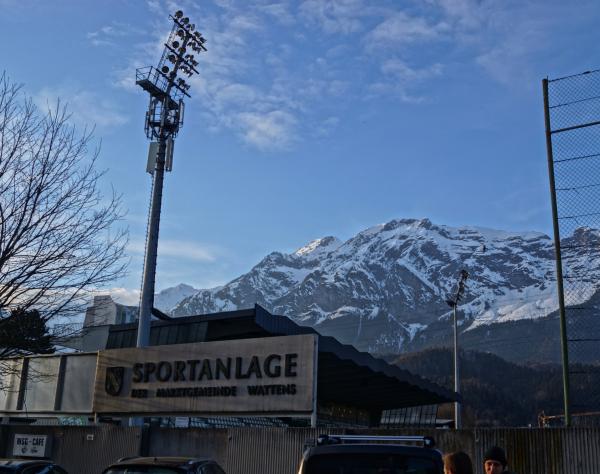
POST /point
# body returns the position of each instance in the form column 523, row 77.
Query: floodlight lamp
column 197, row 47
column 192, row 27
column 181, row 50
column 178, row 14
column 185, row 20
column 172, row 58
column 181, row 33
column 175, row 44
column 165, row 69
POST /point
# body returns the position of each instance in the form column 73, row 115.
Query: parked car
column 164, row 465
column 30, row 466
column 342, row 454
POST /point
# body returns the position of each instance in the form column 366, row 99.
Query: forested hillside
column 495, row 392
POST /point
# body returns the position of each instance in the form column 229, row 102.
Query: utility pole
column 453, row 303
column 163, row 120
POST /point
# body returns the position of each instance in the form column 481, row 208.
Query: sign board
column 31, row 445
column 48, row 385
column 266, row 376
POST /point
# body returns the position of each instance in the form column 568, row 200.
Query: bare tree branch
column 59, row 235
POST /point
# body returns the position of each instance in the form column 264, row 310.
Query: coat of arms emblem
column 113, row 384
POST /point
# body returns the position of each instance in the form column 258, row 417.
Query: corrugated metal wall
column 258, row 451
column 82, row 449
column 93, row 454
column 87, row 450
column 194, row 442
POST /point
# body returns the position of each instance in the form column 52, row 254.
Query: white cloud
column 264, row 130
column 188, row 250
column 511, row 39
column 401, row 80
column 144, row 52
column 125, row 296
column 235, row 94
column 182, row 249
column 508, row 60
column 154, row 6
column 87, row 108
column 387, row 89
column 124, row 78
column 327, row 126
column 269, row 92
column 510, row 51
column 263, row 114
column 14, row 7
column 467, row 14
column 108, row 34
column 279, row 11
column 401, row 29
column 404, row 73
column 337, row 87
column 227, row 5
column 382, row 33
column 244, row 23
column 335, row 16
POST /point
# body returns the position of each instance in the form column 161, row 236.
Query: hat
column 495, row 453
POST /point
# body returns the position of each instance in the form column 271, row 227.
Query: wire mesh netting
column 574, row 112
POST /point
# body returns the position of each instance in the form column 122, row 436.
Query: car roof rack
column 424, row 441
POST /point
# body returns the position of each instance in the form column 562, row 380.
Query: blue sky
column 311, row 118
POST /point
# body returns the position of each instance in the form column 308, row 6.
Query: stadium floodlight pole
column 163, row 120
column 453, row 303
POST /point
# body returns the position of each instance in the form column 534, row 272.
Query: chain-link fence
column 573, row 110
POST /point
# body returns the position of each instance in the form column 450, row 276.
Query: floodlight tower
column 453, row 303
column 163, row 120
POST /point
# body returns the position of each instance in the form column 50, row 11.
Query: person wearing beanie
column 494, row 461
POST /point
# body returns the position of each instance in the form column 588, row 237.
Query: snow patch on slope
column 395, row 278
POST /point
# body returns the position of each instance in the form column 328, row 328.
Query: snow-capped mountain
column 385, row 289
column 168, row 298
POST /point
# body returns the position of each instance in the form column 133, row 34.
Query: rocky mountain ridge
column 168, row 298
column 385, row 289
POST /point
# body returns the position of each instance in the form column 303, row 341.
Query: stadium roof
column 346, row 376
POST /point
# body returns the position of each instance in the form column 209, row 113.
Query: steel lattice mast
column 163, row 120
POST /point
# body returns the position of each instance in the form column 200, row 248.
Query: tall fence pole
column 559, row 273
